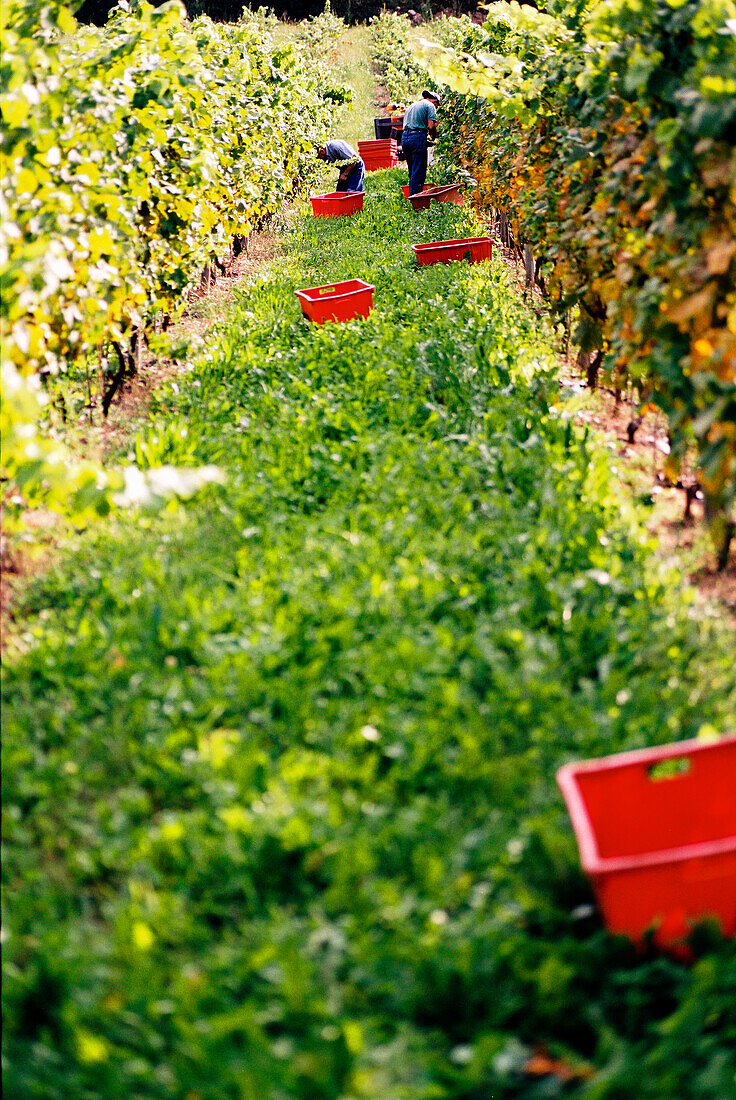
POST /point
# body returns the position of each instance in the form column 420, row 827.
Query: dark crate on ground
column 473, row 249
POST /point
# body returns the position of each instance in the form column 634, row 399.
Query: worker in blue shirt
column 352, row 168
column 420, row 127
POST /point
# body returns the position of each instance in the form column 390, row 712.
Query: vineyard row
column 135, row 155
column 607, row 135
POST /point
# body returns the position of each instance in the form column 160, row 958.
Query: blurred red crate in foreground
column 656, row 830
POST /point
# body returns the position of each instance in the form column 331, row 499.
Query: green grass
column 350, row 59
column 354, row 61
column 280, row 810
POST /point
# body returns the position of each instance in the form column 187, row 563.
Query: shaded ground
column 678, row 526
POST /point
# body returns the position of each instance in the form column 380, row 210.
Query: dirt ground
column 679, row 530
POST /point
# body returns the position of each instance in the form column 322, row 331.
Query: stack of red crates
column 381, row 153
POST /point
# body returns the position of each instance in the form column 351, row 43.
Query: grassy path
column 281, row 818
column 350, row 58
column 354, row 60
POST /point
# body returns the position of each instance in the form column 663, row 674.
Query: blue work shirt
column 339, row 150
column 419, row 114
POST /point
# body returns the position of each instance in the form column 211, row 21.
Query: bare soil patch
column 676, row 518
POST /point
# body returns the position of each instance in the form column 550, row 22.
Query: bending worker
column 420, row 126
column 352, row 169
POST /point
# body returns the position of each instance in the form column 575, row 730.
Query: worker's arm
column 347, row 168
column 432, row 130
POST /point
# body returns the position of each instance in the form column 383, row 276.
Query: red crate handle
column 669, row 768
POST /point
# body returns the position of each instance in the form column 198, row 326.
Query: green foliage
column 132, row 157
column 392, row 56
column 606, row 132
column 280, row 817
column 321, row 33
column 36, row 468
column 134, row 154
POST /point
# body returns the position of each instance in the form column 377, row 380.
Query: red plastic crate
column 336, row 301
column 473, row 249
column 380, row 149
column 405, row 189
column 377, row 145
column 656, row 830
column 335, row 204
column 451, row 192
column 376, row 163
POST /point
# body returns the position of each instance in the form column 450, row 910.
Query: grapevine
column 607, row 136
column 134, row 155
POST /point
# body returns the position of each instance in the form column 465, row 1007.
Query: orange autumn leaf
column 718, row 257
column 689, row 307
column 542, row 1065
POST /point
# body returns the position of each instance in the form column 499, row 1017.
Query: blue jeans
column 354, row 182
column 414, row 144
